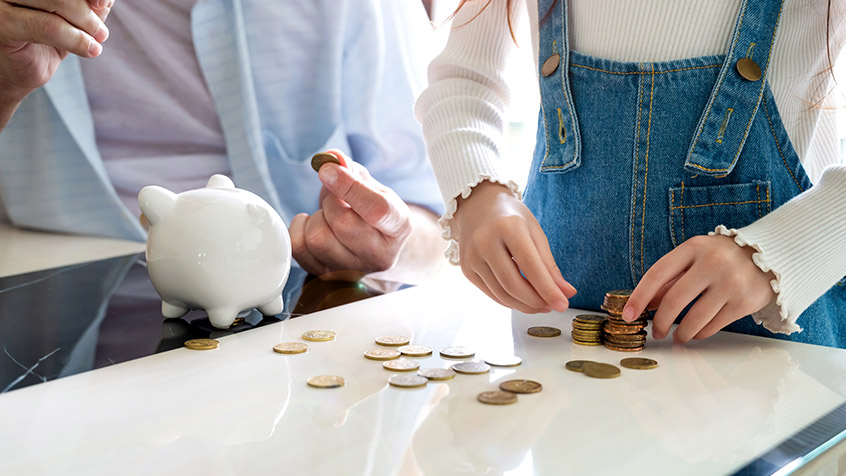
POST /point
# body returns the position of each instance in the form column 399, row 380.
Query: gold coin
column 639, row 363
column 600, row 370
column 319, row 336
column 623, row 349
column 543, row 331
column 437, row 374
column 596, row 319
column 382, row 354
column 497, row 397
column 318, row 160
column 472, row 368
column 619, row 293
column 201, row 344
column 586, row 343
column 576, row 365
column 457, row 353
column 504, row 361
column 415, row 350
column 290, row 348
column 521, row 386
column 326, row 381
column 392, row 341
column 401, row 365
column 408, row 381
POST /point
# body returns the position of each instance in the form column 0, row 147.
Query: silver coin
column 437, row 374
column 504, row 361
column 408, row 381
column 458, row 352
column 472, row 368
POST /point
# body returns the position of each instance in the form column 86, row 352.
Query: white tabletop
column 710, row 407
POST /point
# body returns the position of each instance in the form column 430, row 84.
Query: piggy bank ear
column 220, row 181
column 156, row 203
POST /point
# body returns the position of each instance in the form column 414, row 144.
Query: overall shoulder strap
column 725, row 123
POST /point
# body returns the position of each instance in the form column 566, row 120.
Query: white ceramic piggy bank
column 218, row 248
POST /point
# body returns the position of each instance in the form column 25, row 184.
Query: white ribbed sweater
column 803, row 242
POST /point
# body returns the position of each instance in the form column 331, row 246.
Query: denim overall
column 632, row 159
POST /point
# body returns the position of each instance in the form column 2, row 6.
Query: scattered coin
column 415, row 350
column 319, row 336
column 318, row 160
column 600, row 370
column 201, row 344
column 326, row 381
column 576, row 365
column 401, row 365
column 521, row 386
column 408, row 381
column 290, row 348
column 437, row 374
column 504, row 361
column 472, row 368
column 382, row 354
column 497, row 397
column 543, row 331
column 639, row 363
column 237, row 322
column 457, row 353
column 392, row 341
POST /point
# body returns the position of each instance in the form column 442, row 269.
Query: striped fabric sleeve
column 803, row 243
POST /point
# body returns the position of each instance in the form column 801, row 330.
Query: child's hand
column 713, row 268
column 500, row 238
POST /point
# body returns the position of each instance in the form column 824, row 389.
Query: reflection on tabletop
column 63, row 321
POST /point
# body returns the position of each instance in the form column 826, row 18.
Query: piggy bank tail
column 156, row 203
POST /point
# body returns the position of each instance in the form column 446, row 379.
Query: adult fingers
column 699, row 316
column 666, row 269
column 538, row 273
column 542, row 246
column 31, row 26
column 76, row 12
column 324, row 245
column 371, row 204
column 688, row 287
column 101, row 4
column 359, row 237
column 493, row 283
column 299, row 249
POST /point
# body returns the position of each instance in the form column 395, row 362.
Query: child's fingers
column 542, row 246
column 666, row 269
column 509, row 299
column 507, row 273
column 539, row 276
column 480, row 283
column 699, row 316
column 728, row 314
column 688, row 287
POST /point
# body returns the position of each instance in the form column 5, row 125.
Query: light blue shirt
column 288, row 79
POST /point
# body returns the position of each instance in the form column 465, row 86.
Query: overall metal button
column 748, row 69
column 550, row 65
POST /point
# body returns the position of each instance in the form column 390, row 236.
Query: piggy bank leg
column 172, row 310
column 272, row 308
column 222, row 318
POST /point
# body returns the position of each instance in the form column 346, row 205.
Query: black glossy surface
column 64, row 321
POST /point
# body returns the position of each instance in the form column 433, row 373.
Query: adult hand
column 713, row 269
column 505, row 253
column 361, row 224
column 36, row 35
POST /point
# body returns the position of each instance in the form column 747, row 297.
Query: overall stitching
column 636, row 163
column 562, row 131
column 723, row 126
column 645, row 72
column 715, row 204
column 646, row 172
column 684, row 235
column 757, row 103
column 778, row 146
column 672, row 215
column 758, row 196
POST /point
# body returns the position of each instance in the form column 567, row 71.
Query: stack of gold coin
column 620, row 335
column 587, row 329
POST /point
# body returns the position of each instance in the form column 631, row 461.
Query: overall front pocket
column 698, row 210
